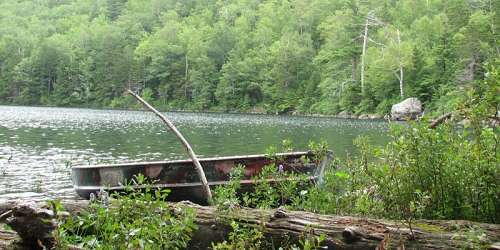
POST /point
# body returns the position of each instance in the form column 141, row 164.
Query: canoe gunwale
column 221, row 158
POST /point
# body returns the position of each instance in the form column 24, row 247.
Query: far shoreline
column 368, row 116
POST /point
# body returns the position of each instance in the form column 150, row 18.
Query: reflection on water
column 38, row 145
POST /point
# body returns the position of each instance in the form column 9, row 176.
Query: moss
column 429, row 227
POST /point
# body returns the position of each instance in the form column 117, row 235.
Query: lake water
column 38, row 145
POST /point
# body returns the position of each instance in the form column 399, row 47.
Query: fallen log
column 8, row 238
column 440, row 120
column 278, row 225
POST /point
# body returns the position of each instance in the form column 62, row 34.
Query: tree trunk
column 183, row 140
column 49, row 83
column 363, row 54
column 278, row 226
column 400, row 67
column 186, row 68
column 354, row 67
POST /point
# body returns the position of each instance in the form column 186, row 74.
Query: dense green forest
column 308, row 56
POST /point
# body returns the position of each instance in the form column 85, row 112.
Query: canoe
column 181, row 178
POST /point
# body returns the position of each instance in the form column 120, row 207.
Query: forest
column 266, row 56
column 433, row 185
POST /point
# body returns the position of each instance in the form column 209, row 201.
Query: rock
column 257, row 110
column 345, row 114
column 368, row 117
column 364, row 117
column 408, row 109
column 374, row 117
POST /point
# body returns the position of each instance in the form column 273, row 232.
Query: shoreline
column 367, row 116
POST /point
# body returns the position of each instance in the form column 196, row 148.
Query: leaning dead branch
column 184, row 142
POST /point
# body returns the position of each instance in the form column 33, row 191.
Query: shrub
column 137, row 220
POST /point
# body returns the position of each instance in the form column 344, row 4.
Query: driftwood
column 440, row 120
column 190, row 151
column 279, row 226
column 490, row 120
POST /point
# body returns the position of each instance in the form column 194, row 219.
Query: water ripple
column 39, row 144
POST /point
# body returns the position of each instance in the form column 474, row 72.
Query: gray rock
column 364, row 117
column 345, row 114
column 409, row 109
column 369, row 117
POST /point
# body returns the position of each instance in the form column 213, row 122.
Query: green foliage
column 318, row 149
column 138, row 220
column 241, row 238
column 266, row 56
column 310, row 243
column 475, row 238
column 226, row 196
column 265, row 194
column 448, row 172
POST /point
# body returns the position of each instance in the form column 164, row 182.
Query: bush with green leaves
column 241, row 237
column 139, row 219
column 447, row 172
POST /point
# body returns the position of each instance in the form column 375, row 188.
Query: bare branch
column 190, row 151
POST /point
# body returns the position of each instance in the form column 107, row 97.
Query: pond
column 38, row 145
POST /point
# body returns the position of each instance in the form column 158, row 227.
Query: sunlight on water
column 39, row 145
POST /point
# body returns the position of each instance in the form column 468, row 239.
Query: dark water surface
column 38, row 145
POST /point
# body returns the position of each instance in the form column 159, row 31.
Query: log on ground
column 342, row 232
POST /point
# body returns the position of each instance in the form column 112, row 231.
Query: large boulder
column 408, row 109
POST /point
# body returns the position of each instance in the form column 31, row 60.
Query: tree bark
column 186, row 76
column 354, row 66
column 400, row 66
column 279, row 226
column 363, row 54
column 190, row 151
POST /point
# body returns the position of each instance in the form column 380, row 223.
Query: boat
column 181, row 178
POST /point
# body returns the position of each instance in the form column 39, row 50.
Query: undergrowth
column 447, row 172
column 136, row 220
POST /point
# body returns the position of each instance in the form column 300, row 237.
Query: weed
column 137, row 220
column 241, row 237
column 475, row 238
column 226, row 197
column 68, row 163
column 37, row 186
